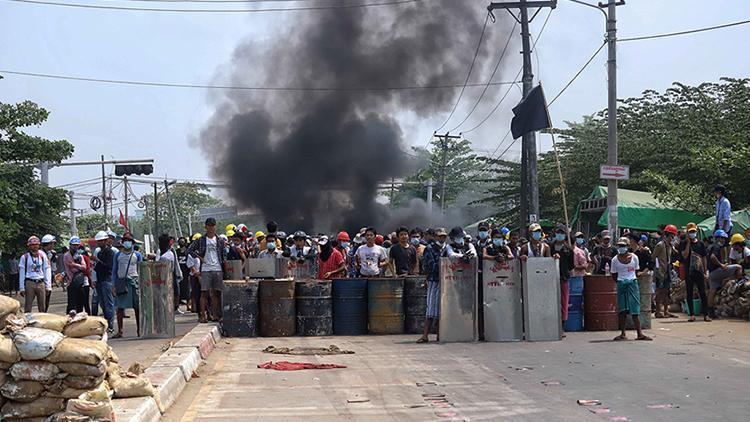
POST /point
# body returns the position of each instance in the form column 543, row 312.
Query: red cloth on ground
column 296, row 366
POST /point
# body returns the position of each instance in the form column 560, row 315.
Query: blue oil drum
column 350, row 307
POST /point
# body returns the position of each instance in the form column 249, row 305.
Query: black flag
column 530, row 114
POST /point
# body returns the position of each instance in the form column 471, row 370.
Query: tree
column 27, row 207
column 461, row 169
column 679, row 144
column 502, row 189
column 188, row 198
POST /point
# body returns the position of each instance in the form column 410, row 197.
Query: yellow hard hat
column 195, row 237
column 230, row 227
column 230, row 233
column 737, row 238
column 259, row 234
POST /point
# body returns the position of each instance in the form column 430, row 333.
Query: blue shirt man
column 723, row 210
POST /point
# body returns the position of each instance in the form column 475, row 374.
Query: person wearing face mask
column 563, row 253
column 603, row 253
column 75, row 274
column 103, row 269
column 693, row 256
column 580, row 260
column 739, row 253
column 35, row 272
column 125, row 275
column 343, row 245
column 458, row 247
column 182, row 256
column 663, row 257
column 271, row 250
column 536, row 248
column 513, row 237
column 482, row 241
column 236, row 251
column 718, row 269
column 624, row 269
column 415, row 238
column 497, row 249
column 431, row 268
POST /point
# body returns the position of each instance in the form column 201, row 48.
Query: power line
column 243, row 88
column 497, row 65
column 276, row 9
column 577, row 73
column 468, row 75
column 689, row 31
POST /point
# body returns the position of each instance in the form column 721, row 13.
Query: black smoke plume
column 314, row 159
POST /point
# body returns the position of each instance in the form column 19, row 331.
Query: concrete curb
column 169, row 374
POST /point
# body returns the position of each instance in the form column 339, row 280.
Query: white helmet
column 101, row 235
column 48, row 238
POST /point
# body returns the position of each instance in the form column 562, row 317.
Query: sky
column 127, row 122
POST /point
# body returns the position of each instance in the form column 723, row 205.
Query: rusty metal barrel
column 349, row 307
column 600, row 303
column 644, row 285
column 277, row 308
column 314, row 303
column 240, row 308
column 415, row 304
column 385, row 305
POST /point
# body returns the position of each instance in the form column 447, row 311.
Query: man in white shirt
column 210, row 248
column 371, row 258
column 36, row 274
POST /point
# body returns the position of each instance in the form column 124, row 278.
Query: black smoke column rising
column 294, row 154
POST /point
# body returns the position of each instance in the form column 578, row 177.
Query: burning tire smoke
column 313, row 159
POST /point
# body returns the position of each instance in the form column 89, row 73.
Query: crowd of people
column 200, row 264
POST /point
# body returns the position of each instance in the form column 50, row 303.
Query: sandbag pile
column 733, row 299
column 60, row 368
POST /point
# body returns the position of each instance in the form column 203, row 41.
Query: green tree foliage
column 188, row 198
column 502, row 189
column 27, row 206
column 679, row 144
column 461, row 170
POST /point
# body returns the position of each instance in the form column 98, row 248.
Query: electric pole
column 529, row 205
column 156, row 211
column 612, row 111
column 444, row 163
column 125, row 183
column 73, row 224
column 104, row 194
column 429, row 184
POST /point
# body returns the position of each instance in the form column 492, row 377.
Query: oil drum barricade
column 277, row 308
column 541, row 299
column 156, row 299
column 503, row 302
column 644, row 286
column 575, row 305
column 415, row 304
column 600, row 303
column 271, row 268
column 234, row 269
column 385, row 305
column 314, row 303
column 458, row 300
column 350, row 307
column 240, row 312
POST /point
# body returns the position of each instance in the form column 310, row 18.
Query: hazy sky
column 134, row 121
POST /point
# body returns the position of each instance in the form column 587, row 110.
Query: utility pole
column 429, row 184
column 156, row 212
column 104, row 193
column 393, row 188
column 444, row 163
column 73, row 224
column 125, row 184
column 529, row 181
column 612, row 110
column 172, row 209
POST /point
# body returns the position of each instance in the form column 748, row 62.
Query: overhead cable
column 173, row 10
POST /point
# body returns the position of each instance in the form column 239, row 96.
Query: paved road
column 701, row 367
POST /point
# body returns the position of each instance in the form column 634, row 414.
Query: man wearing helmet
column 662, row 257
column 103, row 268
column 718, row 269
column 36, row 275
column 48, row 246
column 739, row 253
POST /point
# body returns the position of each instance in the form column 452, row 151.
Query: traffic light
column 130, row 169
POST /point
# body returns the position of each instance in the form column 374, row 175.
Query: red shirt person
column 331, row 263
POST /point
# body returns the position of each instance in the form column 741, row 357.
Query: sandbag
column 22, row 391
column 113, row 374
column 3, row 377
column 5, row 365
column 75, row 350
column 8, row 351
column 8, row 305
column 100, row 393
column 47, row 321
column 133, row 386
column 43, row 406
column 81, row 369
column 65, row 393
column 98, row 410
column 34, row 371
column 36, row 343
column 85, row 326
column 112, row 356
column 68, row 417
column 82, row 382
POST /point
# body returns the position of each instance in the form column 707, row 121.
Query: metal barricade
column 458, row 300
column 271, row 268
column 541, row 298
column 157, row 299
column 503, row 301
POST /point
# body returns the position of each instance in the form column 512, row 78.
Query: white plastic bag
column 36, row 343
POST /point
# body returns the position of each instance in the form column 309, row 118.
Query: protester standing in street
column 403, row 255
column 104, row 285
column 693, row 253
column 48, row 245
column 331, row 263
column 563, row 253
column 719, row 270
column 75, row 275
column 271, row 250
column 210, row 249
column 415, row 238
column 13, row 271
column 431, row 267
column 624, row 269
column 662, row 258
column 36, row 273
column 739, row 253
column 458, row 247
column 342, row 245
column 536, row 248
column 126, row 280
column 497, row 249
column 580, row 260
column 182, row 255
column 167, row 254
column 723, row 210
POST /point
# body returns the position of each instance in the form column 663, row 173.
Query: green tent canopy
column 636, row 210
column 740, row 223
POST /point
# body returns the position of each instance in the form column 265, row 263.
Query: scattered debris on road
column 296, row 366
